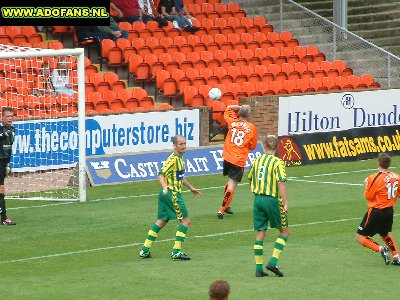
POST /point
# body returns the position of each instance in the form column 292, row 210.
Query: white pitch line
column 294, row 178
column 340, row 173
column 165, row 240
column 116, row 198
column 326, row 182
column 39, row 206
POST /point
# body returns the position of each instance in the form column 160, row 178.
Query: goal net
column 46, row 89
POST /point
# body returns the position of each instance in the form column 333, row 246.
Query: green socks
column 258, row 255
column 151, row 237
column 179, row 238
column 279, row 245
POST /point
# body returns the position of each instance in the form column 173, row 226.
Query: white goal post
column 49, row 150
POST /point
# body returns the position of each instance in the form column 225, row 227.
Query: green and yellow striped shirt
column 265, row 173
column 174, row 172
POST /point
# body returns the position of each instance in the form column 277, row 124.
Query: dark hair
column 7, row 108
column 384, row 160
column 219, row 290
column 271, row 142
column 175, row 138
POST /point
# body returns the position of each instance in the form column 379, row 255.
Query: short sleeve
column 281, row 172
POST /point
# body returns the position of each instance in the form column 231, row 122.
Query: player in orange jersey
column 241, row 138
column 381, row 191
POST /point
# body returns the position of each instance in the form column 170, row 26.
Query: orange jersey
column 382, row 189
column 241, row 137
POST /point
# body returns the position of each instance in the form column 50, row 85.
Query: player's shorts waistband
column 265, row 195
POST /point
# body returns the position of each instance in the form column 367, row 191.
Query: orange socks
column 369, row 243
column 228, row 196
column 389, row 241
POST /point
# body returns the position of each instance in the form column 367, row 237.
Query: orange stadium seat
column 299, row 51
column 30, row 32
column 315, row 83
column 294, row 75
column 56, row 45
column 161, row 77
column 328, row 82
column 137, row 27
column 260, row 70
column 170, row 85
column 109, row 96
column 188, row 94
column 260, row 37
column 194, row 9
column 261, row 22
column 287, row 52
column 235, row 8
column 290, row 86
column 250, row 89
column 134, row 61
column 15, row 33
column 4, row 38
column 287, row 68
column 262, row 87
column 302, row 84
column 126, row 47
column 177, row 75
column 354, row 80
column 124, row 95
column 206, row 25
column 314, row 66
column 132, row 103
column 366, row 79
column 192, row 73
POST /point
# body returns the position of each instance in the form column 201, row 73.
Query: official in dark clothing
column 7, row 133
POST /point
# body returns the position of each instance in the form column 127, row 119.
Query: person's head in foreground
column 219, row 290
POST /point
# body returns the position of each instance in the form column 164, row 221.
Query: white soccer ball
column 215, row 94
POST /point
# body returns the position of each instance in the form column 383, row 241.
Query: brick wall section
column 204, row 126
column 264, row 113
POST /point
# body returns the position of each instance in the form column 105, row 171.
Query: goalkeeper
column 7, row 133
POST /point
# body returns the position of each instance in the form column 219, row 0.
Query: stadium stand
column 242, row 55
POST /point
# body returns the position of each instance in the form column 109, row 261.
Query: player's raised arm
column 233, row 107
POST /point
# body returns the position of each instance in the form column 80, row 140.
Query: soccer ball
column 215, row 94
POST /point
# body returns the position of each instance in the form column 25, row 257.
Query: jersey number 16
column 392, row 190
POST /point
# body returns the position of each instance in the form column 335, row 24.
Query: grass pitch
column 90, row 250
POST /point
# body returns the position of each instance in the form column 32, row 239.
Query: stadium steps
column 366, row 13
column 375, row 20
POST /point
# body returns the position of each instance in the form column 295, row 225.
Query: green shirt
column 174, row 172
column 265, row 173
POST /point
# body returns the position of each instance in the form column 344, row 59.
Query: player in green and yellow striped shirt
column 170, row 202
column 267, row 181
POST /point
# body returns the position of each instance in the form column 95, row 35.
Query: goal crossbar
column 15, row 52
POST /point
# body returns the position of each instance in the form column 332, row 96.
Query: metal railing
column 334, row 41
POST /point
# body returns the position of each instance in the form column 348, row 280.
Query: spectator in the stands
column 60, row 79
column 44, row 86
column 87, row 34
column 147, row 13
column 182, row 9
column 127, row 10
column 112, row 32
column 167, row 9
